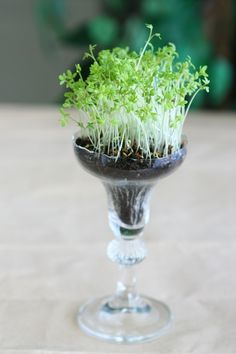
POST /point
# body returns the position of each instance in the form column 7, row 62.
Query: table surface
column 54, row 233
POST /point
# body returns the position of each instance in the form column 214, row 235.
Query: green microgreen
column 133, row 100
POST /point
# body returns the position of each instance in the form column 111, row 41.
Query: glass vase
column 126, row 316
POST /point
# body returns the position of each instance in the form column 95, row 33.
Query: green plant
column 133, row 102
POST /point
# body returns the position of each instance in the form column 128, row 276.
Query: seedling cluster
column 133, row 102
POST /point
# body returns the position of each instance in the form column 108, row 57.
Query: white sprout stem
column 190, row 102
column 145, row 47
column 120, row 146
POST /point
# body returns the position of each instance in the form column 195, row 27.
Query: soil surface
column 126, row 154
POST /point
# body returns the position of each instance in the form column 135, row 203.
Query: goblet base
column 124, row 324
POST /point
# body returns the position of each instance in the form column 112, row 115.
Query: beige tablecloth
column 54, row 233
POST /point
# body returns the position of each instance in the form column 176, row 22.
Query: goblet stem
column 126, row 285
column 127, row 253
column 128, row 205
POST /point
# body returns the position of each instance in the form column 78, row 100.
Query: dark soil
column 133, row 167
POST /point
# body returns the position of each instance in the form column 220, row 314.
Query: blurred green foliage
column 121, row 23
